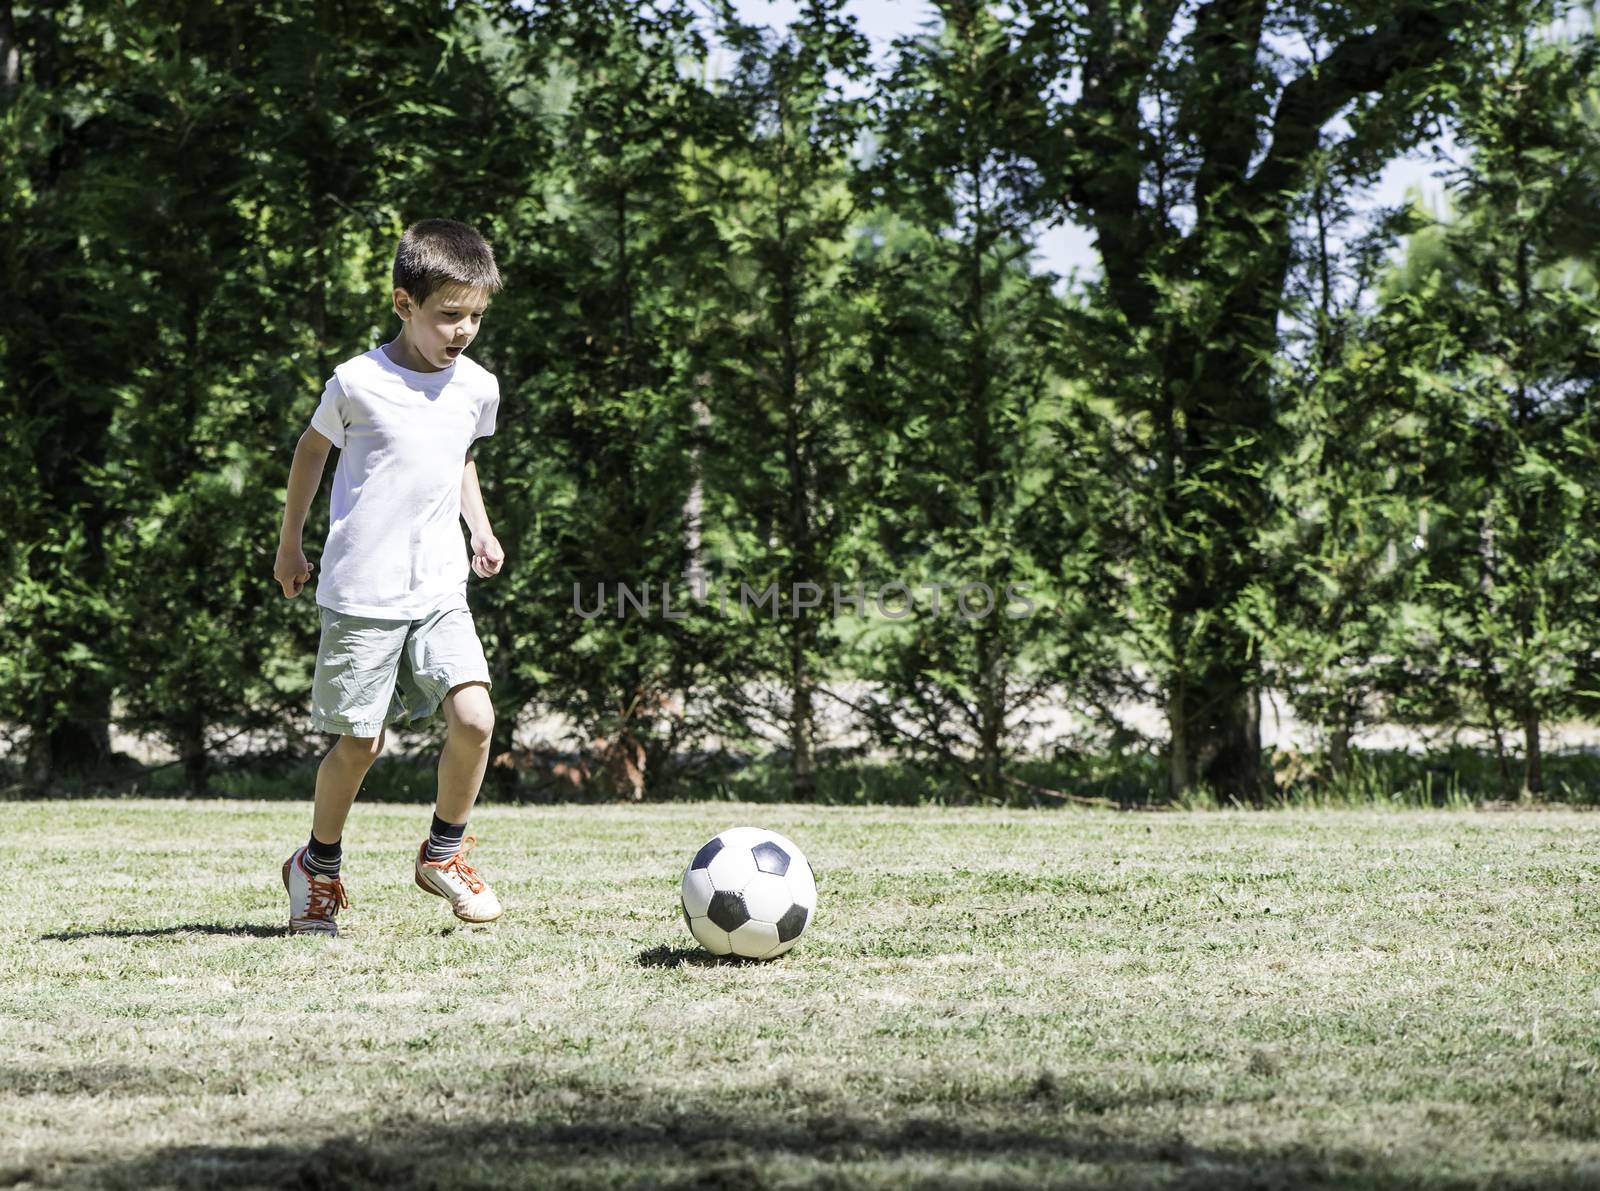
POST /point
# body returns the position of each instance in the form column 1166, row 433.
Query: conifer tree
column 776, row 347
column 961, row 391
column 64, row 353
column 605, row 392
column 1509, row 365
column 1342, row 553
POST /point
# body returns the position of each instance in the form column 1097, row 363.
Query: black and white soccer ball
column 749, row 892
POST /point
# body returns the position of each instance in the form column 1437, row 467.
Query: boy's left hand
column 487, row 556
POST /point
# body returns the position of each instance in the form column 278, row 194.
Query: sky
column 1067, row 248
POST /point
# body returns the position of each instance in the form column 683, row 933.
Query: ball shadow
column 677, row 957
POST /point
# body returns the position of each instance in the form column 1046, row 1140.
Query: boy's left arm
column 487, row 556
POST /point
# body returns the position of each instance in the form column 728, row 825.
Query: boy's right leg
column 351, row 691
column 339, row 779
column 311, row 875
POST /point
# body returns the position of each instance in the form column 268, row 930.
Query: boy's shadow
column 653, row 957
column 155, row 932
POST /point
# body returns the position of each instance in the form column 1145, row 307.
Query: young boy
column 397, row 638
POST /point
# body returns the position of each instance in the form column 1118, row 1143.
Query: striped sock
column 323, row 859
column 444, row 840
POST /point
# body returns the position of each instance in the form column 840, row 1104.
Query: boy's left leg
column 444, row 667
column 442, row 866
column 469, row 716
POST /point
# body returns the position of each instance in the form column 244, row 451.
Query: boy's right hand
column 291, row 570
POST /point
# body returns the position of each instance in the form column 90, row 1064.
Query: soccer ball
column 749, row 892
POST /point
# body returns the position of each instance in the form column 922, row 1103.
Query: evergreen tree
column 961, row 391
column 605, row 389
column 1342, row 549
column 776, row 346
column 501, row 88
column 281, row 139
column 1509, row 366
column 243, row 367
column 65, row 352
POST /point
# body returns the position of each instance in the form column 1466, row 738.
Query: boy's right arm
column 305, row 473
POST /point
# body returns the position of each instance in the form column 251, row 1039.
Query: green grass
column 988, row 998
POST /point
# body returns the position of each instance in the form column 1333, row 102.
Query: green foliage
column 775, row 346
column 1502, row 376
column 592, row 466
column 784, row 326
column 1344, row 541
column 218, row 300
column 1190, row 147
column 966, row 417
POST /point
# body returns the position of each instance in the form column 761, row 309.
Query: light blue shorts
column 371, row 672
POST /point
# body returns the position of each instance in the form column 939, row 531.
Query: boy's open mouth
column 452, row 351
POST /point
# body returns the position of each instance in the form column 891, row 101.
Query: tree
column 1185, row 138
column 183, row 332
column 606, row 398
column 1509, row 371
column 1328, row 610
column 63, row 356
column 775, row 345
column 962, row 392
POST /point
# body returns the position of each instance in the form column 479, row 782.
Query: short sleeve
column 488, row 408
column 332, row 412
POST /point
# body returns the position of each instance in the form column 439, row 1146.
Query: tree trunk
column 196, row 758
column 990, row 679
column 75, row 750
column 1216, row 737
column 990, row 755
column 799, row 467
column 802, row 718
column 503, row 775
column 694, row 504
column 1339, row 750
column 10, row 58
column 1533, row 769
column 991, row 691
column 1491, row 702
column 1179, row 772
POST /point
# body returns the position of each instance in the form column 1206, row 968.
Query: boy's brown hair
column 435, row 252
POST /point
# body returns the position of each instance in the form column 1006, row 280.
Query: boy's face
column 444, row 324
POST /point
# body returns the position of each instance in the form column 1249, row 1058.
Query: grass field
column 986, row 998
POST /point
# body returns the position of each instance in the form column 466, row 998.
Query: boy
column 397, row 638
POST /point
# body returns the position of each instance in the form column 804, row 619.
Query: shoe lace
column 327, row 897
column 457, row 865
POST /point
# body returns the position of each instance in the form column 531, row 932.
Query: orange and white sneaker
column 313, row 899
column 458, row 883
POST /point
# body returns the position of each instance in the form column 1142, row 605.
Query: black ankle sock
column 323, row 859
column 444, row 839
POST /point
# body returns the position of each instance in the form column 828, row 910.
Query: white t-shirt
column 395, row 548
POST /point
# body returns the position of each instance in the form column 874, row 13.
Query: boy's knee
column 471, row 714
column 362, row 748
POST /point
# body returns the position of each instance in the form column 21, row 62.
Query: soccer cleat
column 458, row 883
column 313, row 899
